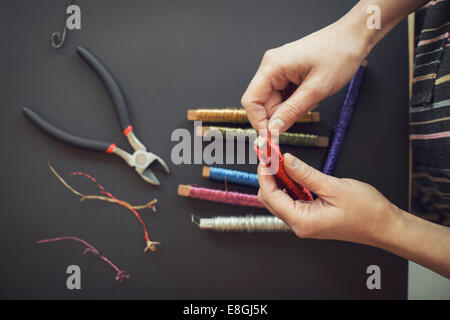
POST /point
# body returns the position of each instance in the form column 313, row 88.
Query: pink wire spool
column 233, row 198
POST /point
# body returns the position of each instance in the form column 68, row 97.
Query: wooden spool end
column 184, row 190
column 315, row 116
column 206, row 172
column 323, row 142
column 192, row 115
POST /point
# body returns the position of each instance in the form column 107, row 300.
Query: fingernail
column 276, row 124
column 291, row 161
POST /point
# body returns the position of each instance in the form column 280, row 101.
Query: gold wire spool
column 287, row 138
column 231, row 115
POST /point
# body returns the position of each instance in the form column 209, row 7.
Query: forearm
column 391, row 13
column 405, row 235
column 417, row 240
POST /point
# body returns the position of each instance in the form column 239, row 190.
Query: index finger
column 254, row 100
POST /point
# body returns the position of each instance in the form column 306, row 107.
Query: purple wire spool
column 343, row 123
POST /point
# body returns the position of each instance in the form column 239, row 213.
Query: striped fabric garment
column 430, row 113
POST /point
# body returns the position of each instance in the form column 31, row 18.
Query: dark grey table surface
column 170, row 56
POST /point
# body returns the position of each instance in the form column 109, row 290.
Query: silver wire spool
column 248, row 224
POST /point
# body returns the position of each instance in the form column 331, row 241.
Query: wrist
column 416, row 239
column 359, row 19
column 395, row 223
column 354, row 24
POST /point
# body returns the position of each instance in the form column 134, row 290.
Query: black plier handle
column 111, row 85
column 67, row 137
column 119, row 103
column 141, row 160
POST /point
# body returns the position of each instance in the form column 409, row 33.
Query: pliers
column 140, row 160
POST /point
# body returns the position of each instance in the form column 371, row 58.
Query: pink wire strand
column 121, row 274
column 234, row 198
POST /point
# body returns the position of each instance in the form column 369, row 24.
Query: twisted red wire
column 295, row 190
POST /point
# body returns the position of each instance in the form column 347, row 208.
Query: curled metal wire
column 58, row 38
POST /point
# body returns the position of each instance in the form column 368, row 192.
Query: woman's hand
column 350, row 210
column 346, row 209
column 318, row 65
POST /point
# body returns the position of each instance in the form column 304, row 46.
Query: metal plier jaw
column 141, row 159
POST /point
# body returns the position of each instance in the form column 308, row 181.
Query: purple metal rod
column 343, row 123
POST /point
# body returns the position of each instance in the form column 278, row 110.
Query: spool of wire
column 230, row 115
column 343, row 123
column 231, row 176
column 286, row 138
column 214, row 195
column 267, row 151
column 249, row 224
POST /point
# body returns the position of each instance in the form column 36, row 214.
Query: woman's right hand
column 346, row 209
column 319, row 65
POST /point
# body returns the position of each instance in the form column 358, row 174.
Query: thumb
column 310, row 178
column 310, row 92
